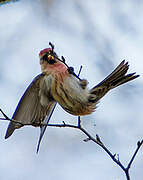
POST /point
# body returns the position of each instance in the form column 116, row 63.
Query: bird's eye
column 49, row 58
column 45, row 57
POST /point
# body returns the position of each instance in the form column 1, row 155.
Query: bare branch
column 139, row 144
column 12, row 120
column 96, row 140
column 79, row 122
column 79, row 71
column 6, row 117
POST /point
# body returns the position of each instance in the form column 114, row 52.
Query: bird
column 58, row 83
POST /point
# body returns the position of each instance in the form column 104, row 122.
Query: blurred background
column 97, row 35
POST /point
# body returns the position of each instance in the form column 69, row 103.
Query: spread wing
column 29, row 109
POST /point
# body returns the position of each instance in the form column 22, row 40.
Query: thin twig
column 79, row 71
column 12, row 120
column 79, row 122
column 139, row 144
column 6, row 117
column 96, row 140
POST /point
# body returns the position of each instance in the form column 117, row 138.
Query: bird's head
column 48, row 55
column 50, row 62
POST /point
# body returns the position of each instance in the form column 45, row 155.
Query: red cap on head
column 44, row 51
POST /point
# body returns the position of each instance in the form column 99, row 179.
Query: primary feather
column 33, row 106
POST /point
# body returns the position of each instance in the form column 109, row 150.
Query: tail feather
column 125, row 79
column 116, row 78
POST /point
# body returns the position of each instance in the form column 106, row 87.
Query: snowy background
column 97, row 35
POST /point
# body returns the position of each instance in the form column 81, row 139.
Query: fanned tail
column 116, row 78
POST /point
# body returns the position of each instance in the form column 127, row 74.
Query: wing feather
column 29, row 109
column 46, row 121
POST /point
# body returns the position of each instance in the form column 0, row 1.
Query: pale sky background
column 97, row 35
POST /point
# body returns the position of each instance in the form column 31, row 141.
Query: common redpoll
column 59, row 84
